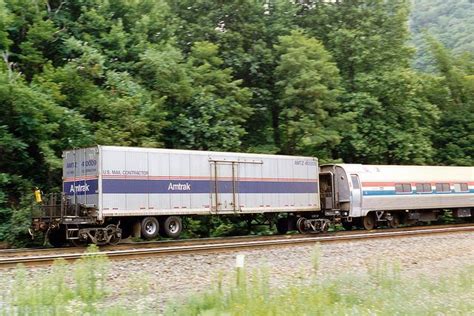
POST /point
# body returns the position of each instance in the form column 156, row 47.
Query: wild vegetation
column 332, row 80
column 82, row 288
column 384, row 291
column 450, row 21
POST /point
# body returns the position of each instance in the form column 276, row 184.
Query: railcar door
column 224, row 186
column 356, row 196
column 326, row 181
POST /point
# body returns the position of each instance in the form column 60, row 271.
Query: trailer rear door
column 80, row 176
column 224, row 186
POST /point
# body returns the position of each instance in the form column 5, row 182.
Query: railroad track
column 9, row 258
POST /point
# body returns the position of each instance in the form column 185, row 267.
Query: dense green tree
column 213, row 117
column 395, row 120
column 450, row 21
column 207, row 106
column 454, row 137
column 5, row 20
column 131, row 117
column 368, row 40
column 309, row 85
column 246, row 32
column 363, row 36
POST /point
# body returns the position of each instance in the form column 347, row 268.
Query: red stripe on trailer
column 172, row 178
column 80, row 178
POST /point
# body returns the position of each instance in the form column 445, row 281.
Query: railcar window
column 423, row 187
column 443, row 187
column 402, row 187
column 355, row 182
column 461, row 187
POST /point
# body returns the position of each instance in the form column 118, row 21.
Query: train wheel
column 172, row 226
column 150, row 227
column 369, row 221
column 301, row 225
column 114, row 240
column 79, row 242
column 115, row 233
column 282, row 225
column 395, row 221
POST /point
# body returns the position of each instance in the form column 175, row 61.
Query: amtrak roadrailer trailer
column 109, row 191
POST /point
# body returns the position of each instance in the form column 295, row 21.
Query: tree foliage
column 308, row 85
column 332, row 79
column 455, row 90
column 450, row 21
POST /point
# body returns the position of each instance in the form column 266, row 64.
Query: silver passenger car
column 377, row 193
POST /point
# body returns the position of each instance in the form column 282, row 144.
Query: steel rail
column 30, row 260
column 206, row 240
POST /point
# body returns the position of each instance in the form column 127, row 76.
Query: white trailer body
column 128, row 181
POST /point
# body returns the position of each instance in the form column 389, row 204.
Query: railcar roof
column 194, row 152
column 409, row 172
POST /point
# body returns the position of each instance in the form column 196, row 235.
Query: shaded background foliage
column 356, row 80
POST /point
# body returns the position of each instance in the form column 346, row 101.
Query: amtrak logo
column 179, row 187
column 79, row 188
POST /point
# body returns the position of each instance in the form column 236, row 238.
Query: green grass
column 82, row 289
column 62, row 291
column 383, row 291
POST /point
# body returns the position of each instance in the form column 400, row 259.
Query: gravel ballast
column 155, row 281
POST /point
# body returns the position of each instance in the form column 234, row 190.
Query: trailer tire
column 172, row 226
column 150, row 227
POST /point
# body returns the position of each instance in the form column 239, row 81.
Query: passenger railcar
column 371, row 194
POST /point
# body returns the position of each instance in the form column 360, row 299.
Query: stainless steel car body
column 364, row 188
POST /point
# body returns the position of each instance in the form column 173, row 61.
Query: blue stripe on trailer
column 133, row 186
